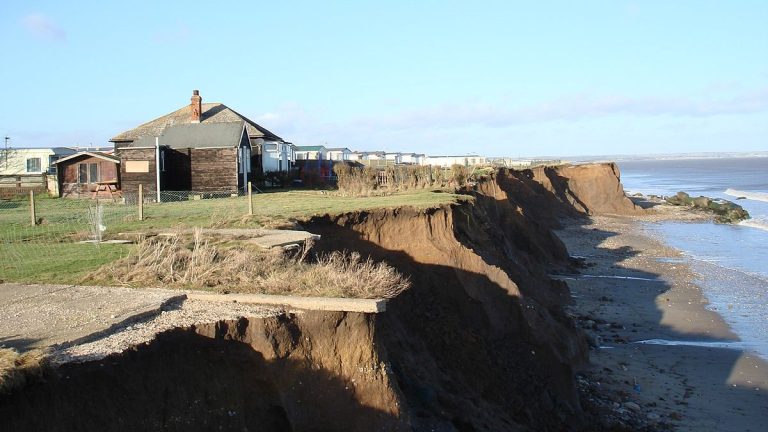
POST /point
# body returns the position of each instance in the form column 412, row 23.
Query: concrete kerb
column 335, row 304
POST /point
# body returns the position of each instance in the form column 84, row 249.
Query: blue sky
column 491, row 77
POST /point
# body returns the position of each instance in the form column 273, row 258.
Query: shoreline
column 652, row 292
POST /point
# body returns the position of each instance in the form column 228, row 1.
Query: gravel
column 177, row 315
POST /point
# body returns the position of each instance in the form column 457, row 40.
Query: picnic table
column 109, row 186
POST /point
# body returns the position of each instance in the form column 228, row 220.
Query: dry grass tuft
column 16, row 369
column 236, row 267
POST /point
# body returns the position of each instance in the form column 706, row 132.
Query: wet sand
column 656, row 297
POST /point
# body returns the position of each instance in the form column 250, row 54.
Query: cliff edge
column 480, row 342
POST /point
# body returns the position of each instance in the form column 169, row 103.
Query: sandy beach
column 634, row 288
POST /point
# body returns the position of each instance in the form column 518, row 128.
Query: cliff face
column 311, row 371
column 480, row 341
column 589, row 188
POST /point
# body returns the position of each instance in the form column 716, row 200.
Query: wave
column 755, row 196
column 755, row 223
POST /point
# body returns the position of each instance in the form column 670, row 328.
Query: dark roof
column 212, row 113
column 108, row 157
column 196, row 135
column 338, row 149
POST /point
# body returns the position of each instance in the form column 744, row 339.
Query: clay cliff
column 589, row 188
column 480, row 342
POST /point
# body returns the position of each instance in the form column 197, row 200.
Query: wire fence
column 61, row 240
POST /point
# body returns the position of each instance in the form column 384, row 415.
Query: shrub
column 355, row 181
column 459, row 175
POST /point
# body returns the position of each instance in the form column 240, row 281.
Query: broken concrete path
column 296, row 302
column 36, row 316
column 264, row 238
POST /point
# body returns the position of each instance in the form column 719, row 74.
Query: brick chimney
column 196, row 105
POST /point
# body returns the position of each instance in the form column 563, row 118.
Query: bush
column 355, row 181
column 459, row 175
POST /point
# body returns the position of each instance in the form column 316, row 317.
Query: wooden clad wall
column 214, row 169
column 69, row 175
column 70, row 170
column 130, row 180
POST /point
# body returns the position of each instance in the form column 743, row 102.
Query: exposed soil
column 313, row 371
column 480, row 342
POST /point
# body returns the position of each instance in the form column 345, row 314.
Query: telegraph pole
column 5, row 156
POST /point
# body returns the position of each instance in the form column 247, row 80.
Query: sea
column 731, row 260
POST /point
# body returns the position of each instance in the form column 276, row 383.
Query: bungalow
column 276, row 155
column 339, row 154
column 210, row 157
column 395, row 157
column 412, row 158
column 311, row 153
column 25, row 169
column 88, row 173
column 30, row 161
column 262, row 148
column 449, row 161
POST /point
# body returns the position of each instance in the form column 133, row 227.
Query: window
column 93, row 172
column 52, row 163
column 82, row 171
column 33, row 165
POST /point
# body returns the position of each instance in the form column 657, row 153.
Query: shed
column 214, row 157
column 88, row 173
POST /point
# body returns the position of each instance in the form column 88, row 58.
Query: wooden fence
column 15, row 185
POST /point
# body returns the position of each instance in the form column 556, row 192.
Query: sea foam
column 759, row 223
column 755, row 196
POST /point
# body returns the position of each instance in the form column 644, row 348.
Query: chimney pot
column 196, row 106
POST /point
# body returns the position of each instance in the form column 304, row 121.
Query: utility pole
column 6, row 151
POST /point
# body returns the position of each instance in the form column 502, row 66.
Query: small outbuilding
column 88, row 173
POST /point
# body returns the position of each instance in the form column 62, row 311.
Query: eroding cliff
column 310, row 371
column 480, row 342
column 589, row 188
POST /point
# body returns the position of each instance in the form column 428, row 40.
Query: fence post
column 250, row 199
column 141, row 202
column 32, row 214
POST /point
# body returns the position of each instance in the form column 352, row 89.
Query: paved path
column 265, row 238
column 61, row 316
column 34, row 316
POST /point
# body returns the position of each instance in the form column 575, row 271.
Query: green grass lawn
column 57, row 263
column 48, row 252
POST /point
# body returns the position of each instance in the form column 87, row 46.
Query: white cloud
column 43, row 27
